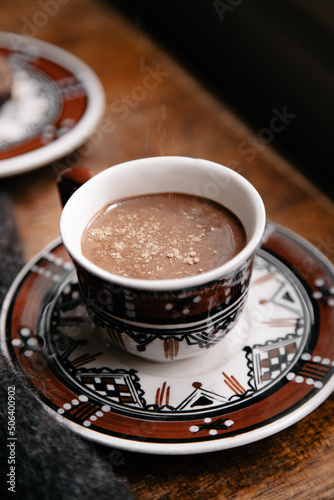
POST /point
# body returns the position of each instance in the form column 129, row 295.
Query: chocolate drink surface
column 162, row 236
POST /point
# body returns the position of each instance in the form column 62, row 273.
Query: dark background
column 259, row 56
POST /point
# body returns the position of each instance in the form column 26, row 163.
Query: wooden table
column 178, row 116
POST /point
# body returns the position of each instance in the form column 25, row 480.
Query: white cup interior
column 158, row 175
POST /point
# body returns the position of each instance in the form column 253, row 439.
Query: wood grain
column 178, row 116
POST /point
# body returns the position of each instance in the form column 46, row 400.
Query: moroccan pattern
column 275, row 365
column 177, row 320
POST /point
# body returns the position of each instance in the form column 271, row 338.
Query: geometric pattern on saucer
column 275, row 367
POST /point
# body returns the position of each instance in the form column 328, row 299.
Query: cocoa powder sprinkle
column 162, row 236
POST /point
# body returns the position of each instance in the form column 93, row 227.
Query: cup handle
column 71, row 179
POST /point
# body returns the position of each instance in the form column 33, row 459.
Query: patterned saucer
column 274, row 368
column 57, row 101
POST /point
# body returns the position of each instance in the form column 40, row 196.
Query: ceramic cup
column 163, row 320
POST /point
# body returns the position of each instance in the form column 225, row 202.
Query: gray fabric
column 50, row 460
column 11, row 259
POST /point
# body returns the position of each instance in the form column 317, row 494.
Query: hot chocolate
column 162, row 236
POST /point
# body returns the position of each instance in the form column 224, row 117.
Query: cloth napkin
column 50, row 460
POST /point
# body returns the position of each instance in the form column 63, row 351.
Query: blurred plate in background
column 56, row 103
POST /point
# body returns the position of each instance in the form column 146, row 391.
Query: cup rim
column 153, row 285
